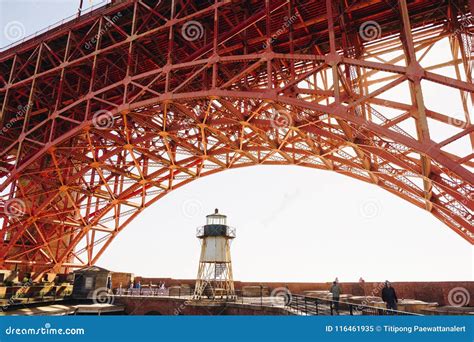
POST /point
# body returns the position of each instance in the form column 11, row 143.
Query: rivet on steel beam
column 171, row 22
column 167, row 68
column 332, row 59
column 415, row 72
column 214, row 59
column 269, row 55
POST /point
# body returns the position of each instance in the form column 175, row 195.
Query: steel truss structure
column 106, row 114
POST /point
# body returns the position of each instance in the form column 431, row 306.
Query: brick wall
column 176, row 306
column 121, row 278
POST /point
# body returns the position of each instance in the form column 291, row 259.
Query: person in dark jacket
column 389, row 296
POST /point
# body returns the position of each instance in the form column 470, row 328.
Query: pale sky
column 293, row 223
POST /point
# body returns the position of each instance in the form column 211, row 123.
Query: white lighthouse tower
column 214, row 279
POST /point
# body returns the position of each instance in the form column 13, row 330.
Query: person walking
column 336, row 292
column 362, row 285
column 389, row 296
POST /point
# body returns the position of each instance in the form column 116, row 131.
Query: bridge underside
column 103, row 116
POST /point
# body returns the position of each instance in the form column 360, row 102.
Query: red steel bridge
column 105, row 114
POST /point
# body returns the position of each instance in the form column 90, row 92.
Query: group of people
column 389, row 295
column 136, row 288
column 138, row 285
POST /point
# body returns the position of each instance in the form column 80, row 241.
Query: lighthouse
column 214, row 278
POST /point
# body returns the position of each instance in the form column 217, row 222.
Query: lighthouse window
column 216, row 220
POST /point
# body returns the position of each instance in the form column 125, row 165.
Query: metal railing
column 22, row 300
column 228, row 231
column 189, row 292
column 144, row 291
column 55, row 25
column 310, row 306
